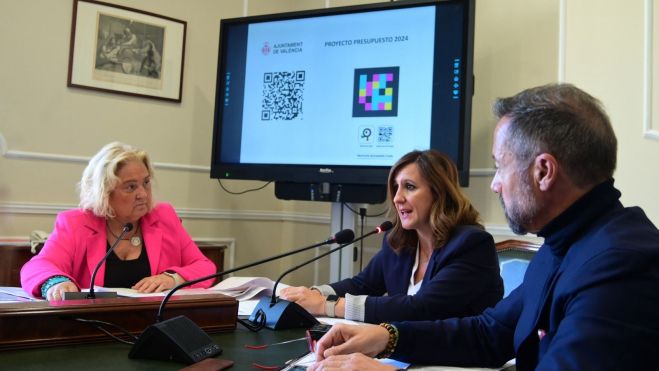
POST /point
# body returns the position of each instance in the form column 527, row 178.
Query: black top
column 126, row 273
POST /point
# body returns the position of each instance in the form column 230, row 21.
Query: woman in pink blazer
column 155, row 255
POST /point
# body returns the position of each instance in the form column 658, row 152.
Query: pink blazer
column 79, row 241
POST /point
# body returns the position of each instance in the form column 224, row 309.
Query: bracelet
column 393, row 340
column 52, row 281
column 175, row 276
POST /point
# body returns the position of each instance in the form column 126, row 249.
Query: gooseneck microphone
column 105, row 294
column 283, row 314
column 181, row 339
column 347, row 240
column 342, row 235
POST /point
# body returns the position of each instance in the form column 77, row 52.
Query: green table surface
column 114, row 355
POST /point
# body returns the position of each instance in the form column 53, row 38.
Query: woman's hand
column 56, row 292
column 309, row 299
column 157, row 283
column 346, row 339
column 354, row 361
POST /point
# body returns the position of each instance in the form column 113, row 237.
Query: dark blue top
column 462, row 279
column 589, row 300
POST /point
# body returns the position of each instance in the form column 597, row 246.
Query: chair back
column 514, row 258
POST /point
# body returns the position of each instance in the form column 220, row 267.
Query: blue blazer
column 589, row 300
column 462, row 279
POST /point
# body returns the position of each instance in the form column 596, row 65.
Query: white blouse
column 413, row 288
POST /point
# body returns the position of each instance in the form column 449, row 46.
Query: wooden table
column 110, row 355
column 41, row 323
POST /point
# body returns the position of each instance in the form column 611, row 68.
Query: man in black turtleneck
column 590, row 297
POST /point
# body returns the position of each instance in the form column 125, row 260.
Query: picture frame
column 127, row 51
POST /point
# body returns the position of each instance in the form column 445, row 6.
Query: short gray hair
column 99, row 178
column 566, row 122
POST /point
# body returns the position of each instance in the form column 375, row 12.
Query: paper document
column 246, row 288
column 310, row 358
column 335, row 320
column 14, row 294
column 130, row 293
column 240, row 288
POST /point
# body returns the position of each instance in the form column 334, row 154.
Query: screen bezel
column 344, row 174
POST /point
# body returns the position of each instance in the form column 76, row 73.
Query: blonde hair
column 99, row 178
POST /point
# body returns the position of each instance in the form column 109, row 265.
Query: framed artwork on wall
column 126, row 51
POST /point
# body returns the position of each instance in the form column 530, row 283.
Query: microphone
column 165, row 340
column 283, row 314
column 106, row 294
column 340, row 237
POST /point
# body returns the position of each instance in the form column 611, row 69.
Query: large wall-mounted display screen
column 338, row 95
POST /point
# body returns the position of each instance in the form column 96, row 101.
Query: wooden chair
column 514, row 258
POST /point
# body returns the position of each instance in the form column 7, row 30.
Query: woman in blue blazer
column 437, row 262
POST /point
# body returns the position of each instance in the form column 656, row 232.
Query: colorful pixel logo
column 376, row 92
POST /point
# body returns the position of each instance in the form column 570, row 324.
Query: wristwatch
column 330, row 305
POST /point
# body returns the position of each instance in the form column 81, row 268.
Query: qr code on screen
column 283, row 95
column 385, row 134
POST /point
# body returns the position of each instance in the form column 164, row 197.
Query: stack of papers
column 15, row 294
column 246, row 288
column 240, row 288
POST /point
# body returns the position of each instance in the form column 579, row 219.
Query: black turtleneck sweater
column 589, row 300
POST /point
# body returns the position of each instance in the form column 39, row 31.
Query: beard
column 521, row 212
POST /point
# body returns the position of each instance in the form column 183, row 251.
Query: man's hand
column 345, row 339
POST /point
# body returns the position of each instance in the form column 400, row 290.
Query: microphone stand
column 105, row 294
column 283, row 314
column 181, row 339
column 339, row 235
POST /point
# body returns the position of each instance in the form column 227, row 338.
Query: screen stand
column 341, row 262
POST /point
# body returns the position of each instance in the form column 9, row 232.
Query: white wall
column 612, row 51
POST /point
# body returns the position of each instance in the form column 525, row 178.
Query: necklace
column 135, row 240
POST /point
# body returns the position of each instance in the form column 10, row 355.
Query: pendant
column 135, row 241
